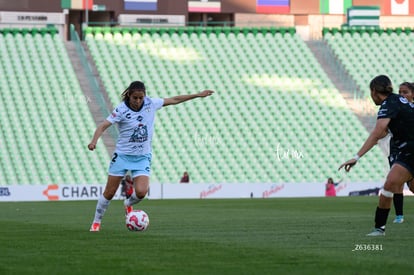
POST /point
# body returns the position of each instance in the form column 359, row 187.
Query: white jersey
column 135, row 128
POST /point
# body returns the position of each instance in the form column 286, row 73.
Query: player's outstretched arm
column 98, row 133
column 181, row 98
column 379, row 132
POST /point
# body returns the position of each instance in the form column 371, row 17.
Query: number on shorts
column 114, row 158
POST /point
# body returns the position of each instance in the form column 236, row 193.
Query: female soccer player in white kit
column 135, row 116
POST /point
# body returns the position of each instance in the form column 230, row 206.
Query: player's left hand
column 348, row 165
column 206, row 93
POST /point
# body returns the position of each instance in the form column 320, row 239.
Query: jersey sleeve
column 115, row 116
column 158, row 103
column 389, row 108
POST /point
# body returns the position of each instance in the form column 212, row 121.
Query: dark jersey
column 401, row 113
column 393, row 152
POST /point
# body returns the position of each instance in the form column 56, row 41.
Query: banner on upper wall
column 398, row 7
column 273, row 6
column 151, row 20
column 35, row 18
column 363, row 16
column 204, row 6
column 334, row 6
column 141, row 5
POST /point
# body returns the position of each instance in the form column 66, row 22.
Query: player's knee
column 108, row 194
column 141, row 193
column 393, row 185
column 386, row 193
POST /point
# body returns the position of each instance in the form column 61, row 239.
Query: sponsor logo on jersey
column 382, row 112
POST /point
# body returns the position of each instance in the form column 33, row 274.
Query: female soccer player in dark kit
column 396, row 114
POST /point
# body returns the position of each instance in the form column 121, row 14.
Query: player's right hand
column 348, row 165
column 91, row 146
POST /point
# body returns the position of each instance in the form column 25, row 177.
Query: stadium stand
column 276, row 116
column 364, row 52
column 45, row 120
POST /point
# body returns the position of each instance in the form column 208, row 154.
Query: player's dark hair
column 381, row 84
column 409, row 85
column 134, row 86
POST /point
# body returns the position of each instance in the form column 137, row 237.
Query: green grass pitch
column 233, row 236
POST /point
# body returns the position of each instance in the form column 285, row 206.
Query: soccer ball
column 137, row 220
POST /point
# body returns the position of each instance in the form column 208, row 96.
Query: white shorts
column 138, row 165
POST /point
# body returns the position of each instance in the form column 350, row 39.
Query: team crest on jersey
column 140, row 134
column 403, row 100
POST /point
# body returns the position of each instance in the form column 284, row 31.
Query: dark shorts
column 405, row 158
column 391, row 159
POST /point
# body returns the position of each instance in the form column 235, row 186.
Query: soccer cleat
column 95, row 227
column 129, row 192
column 128, row 209
column 399, row 219
column 377, row 232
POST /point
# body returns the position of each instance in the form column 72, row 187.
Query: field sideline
column 233, row 236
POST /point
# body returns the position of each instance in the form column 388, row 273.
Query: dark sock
column 381, row 216
column 398, row 204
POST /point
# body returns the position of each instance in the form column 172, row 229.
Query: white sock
column 133, row 199
column 101, row 207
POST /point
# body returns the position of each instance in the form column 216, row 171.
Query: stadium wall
column 55, row 192
column 307, row 16
column 181, row 7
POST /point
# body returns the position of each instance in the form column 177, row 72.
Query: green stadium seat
column 21, row 54
column 260, row 73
